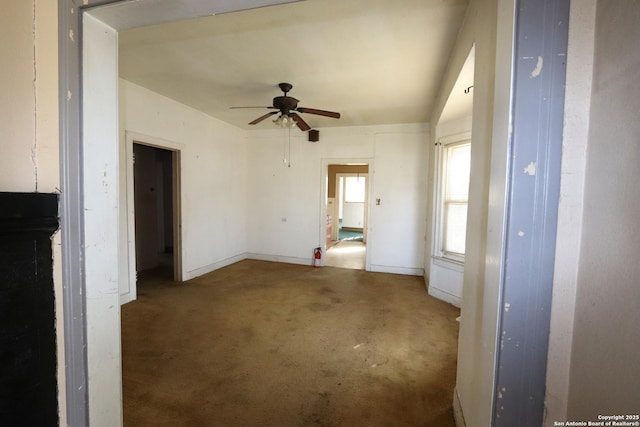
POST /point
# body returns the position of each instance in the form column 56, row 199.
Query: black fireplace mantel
column 28, row 379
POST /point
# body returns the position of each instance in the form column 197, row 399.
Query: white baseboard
column 279, row 258
column 212, row 267
column 291, row 260
column 445, row 296
column 458, row 415
column 408, row 271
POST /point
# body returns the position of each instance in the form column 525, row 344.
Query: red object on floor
column 317, row 257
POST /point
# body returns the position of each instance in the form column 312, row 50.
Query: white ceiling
column 374, row 61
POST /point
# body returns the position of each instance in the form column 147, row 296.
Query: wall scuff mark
column 536, row 71
column 530, row 169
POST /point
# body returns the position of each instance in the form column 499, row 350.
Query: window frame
column 439, row 195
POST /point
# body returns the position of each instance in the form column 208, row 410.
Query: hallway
column 270, row 344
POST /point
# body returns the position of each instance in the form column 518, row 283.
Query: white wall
column 488, row 24
column 213, row 179
column 605, row 365
column 576, row 134
column 29, row 121
column 397, row 231
column 353, row 214
column 239, row 199
column 285, row 203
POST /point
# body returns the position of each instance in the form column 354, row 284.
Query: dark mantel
column 28, row 379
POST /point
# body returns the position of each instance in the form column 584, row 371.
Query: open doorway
column 151, row 234
column 347, row 215
column 153, row 188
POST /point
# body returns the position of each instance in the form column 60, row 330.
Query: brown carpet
column 268, row 344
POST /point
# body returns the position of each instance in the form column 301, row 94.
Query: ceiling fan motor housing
column 285, row 103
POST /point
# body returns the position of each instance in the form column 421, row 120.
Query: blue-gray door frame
column 537, row 106
column 71, row 208
column 535, row 150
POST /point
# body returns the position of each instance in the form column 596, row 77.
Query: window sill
column 449, row 263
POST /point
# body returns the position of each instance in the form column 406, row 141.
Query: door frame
column 324, row 179
column 365, row 219
column 79, row 361
column 128, row 283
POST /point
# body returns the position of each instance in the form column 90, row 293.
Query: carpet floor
column 269, row 344
column 350, row 235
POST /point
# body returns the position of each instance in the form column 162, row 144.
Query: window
column 354, row 189
column 451, row 198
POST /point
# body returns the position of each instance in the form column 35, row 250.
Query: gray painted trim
column 541, row 33
column 71, row 210
column 71, row 216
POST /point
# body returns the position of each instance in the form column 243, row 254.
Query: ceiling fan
column 288, row 108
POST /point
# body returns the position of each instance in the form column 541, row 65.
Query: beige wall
column 29, row 118
column 605, row 363
column 29, row 102
column 575, row 137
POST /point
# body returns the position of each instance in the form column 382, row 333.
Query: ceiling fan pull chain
column 284, row 147
column 289, row 132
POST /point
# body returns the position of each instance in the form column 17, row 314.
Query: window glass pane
column 354, row 189
column 455, row 227
column 458, row 158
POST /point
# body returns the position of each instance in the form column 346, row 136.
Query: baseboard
column 444, row 296
column 279, row 258
column 212, row 267
column 408, row 271
column 458, row 415
column 292, row 260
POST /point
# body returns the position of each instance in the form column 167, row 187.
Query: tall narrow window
column 456, row 194
column 451, row 198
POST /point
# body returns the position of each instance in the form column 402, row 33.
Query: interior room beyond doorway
column 347, row 215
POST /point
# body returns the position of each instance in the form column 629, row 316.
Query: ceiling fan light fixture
column 285, row 121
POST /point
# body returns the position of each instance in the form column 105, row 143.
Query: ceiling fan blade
column 319, row 112
column 301, row 123
column 261, row 118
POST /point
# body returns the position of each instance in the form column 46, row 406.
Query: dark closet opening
column 153, row 203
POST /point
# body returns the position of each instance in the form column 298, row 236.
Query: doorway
column 347, row 215
column 92, row 344
column 153, row 203
column 153, row 212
